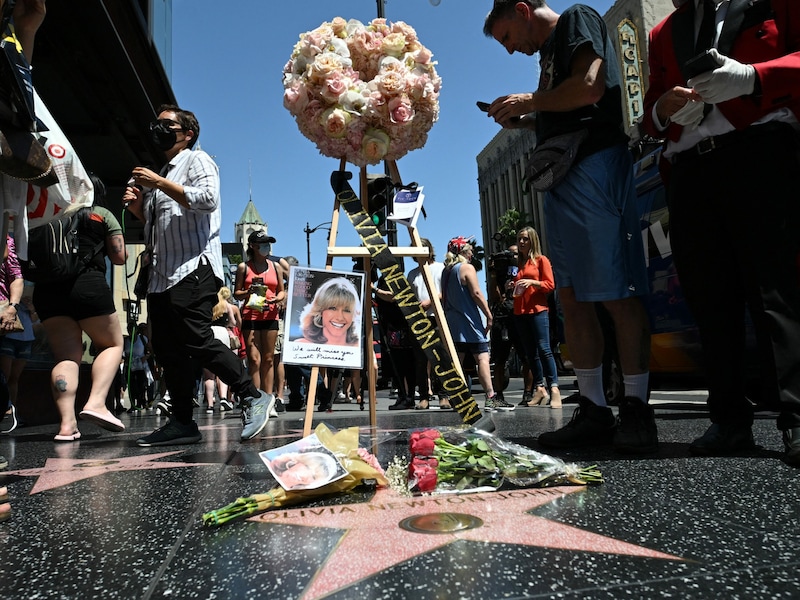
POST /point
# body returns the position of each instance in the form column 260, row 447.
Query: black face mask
column 163, row 137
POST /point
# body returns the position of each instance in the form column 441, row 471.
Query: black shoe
column 225, row 405
column 722, row 439
column 172, row 434
column 404, row 404
column 280, row 407
column 591, row 425
column 294, row 406
column 526, row 397
column 636, row 428
column 791, row 441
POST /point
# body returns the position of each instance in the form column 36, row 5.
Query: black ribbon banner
column 426, row 334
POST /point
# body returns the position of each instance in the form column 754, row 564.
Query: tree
column 511, row 222
column 478, row 254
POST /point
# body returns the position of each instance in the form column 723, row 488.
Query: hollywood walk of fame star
column 58, row 472
column 502, row 518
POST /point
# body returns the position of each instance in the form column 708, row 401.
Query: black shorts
column 260, row 325
column 84, row 297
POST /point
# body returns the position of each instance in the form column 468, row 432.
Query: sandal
column 444, row 404
column 423, row 405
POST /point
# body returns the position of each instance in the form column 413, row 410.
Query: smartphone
column 702, row 63
column 484, row 106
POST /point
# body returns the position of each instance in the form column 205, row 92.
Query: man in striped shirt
column 180, row 206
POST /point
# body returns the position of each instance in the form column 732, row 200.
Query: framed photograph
column 303, row 465
column 324, row 325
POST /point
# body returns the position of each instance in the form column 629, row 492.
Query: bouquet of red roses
column 466, row 460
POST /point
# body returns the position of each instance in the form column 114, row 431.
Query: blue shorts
column 472, row 347
column 594, row 233
column 15, row 348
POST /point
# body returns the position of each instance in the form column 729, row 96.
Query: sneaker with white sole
column 255, row 413
column 164, row 407
column 12, row 424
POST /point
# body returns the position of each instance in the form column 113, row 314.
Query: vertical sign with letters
column 631, row 70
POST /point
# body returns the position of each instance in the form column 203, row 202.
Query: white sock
column 636, row 386
column 590, row 384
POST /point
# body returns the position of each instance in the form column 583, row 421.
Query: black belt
column 732, row 138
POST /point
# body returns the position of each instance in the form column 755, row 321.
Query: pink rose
column 335, row 85
column 370, row 459
column 335, row 121
column 296, row 98
column 375, row 145
column 392, row 83
column 400, row 110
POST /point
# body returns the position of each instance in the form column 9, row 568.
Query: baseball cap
column 260, row 237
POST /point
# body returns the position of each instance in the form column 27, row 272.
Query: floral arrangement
column 360, row 465
column 365, row 93
column 460, row 460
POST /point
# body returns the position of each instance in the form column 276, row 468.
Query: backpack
column 53, row 251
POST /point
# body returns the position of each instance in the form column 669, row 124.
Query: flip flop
column 68, row 438
column 108, row 423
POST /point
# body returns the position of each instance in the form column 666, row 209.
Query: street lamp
column 308, row 231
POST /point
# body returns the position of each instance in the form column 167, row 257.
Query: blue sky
column 227, row 67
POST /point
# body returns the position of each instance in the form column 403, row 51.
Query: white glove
column 689, row 115
column 731, row 80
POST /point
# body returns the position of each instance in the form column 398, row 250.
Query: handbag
column 17, row 323
column 552, row 159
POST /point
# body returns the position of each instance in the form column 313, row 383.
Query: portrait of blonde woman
column 333, row 316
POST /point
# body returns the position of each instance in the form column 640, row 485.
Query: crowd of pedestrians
column 595, row 255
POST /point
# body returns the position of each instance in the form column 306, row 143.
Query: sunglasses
column 168, row 123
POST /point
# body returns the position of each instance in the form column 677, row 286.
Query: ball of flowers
column 365, row 93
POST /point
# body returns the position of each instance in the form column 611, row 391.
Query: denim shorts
column 472, row 347
column 593, row 229
column 15, row 348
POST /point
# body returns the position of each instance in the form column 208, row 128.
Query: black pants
column 184, row 343
column 735, row 233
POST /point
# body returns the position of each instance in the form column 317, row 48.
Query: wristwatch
column 15, row 305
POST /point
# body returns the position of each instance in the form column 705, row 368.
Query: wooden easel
column 416, row 251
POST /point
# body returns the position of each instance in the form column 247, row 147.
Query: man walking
column 181, row 210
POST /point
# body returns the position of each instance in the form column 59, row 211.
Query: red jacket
column 764, row 33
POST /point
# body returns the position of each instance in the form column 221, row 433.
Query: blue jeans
column 534, row 331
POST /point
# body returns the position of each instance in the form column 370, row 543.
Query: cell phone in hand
column 702, row 63
column 484, row 106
